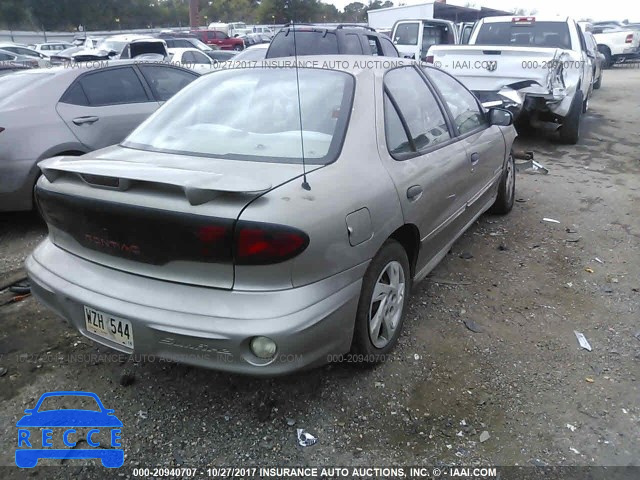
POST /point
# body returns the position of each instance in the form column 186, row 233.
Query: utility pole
column 194, row 19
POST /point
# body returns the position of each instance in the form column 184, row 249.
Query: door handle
column 475, row 158
column 414, row 192
column 83, row 120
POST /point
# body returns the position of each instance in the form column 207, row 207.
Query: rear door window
column 410, row 104
column 114, row 86
column 165, row 81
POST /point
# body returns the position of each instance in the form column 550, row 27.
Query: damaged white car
column 538, row 68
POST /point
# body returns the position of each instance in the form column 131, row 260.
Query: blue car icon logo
column 41, row 427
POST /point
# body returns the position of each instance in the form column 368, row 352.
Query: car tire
column 608, row 59
column 506, row 189
column 598, row 84
column 570, row 129
column 379, row 320
column 238, row 48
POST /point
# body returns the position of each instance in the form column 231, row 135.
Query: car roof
column 354, row 64
column 259, row 46
column 538, row 18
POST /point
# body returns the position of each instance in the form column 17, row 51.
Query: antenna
column 305, row 184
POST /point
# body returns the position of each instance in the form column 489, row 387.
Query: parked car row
column 231, row 220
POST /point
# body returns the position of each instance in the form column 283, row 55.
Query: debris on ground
column 571, row 427
column 22, row 287
column 637, row 335
column 3, row 371
column 305, row 439
column 598, row 260
column 503, row 248
column 442, row 281
column 484, row 436
column 574, row 450
column 582, row 340
column 466, row 256
column 589, row 380
column 378, row 384
column 589, row 270
column 291, row 422
column 127, row 379
column 550, row 220
column 473, row 326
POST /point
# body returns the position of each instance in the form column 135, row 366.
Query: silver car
column 72, row 111
column 251, row 228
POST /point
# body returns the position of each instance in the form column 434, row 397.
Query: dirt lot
column 523, row 378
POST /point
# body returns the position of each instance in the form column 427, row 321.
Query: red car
column 221, row 39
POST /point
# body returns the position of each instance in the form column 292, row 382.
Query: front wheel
column 238, row 48
column 506, row 189
column 383, row 302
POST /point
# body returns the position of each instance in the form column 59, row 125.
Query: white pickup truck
column 617, row 44
column 539, row 68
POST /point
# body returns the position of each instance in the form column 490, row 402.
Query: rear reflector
column 523, row 19
column 263, row 244
column 629, row 38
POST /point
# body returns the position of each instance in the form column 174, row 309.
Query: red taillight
column 262, row 244
column 1, row 129
column 212, row 239
column 629, row 38
column 523, row 19
column 429, row 58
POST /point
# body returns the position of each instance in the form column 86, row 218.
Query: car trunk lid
column 164, row 216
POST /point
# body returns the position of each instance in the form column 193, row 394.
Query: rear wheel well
column 409, row 237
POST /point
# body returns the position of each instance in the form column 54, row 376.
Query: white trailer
column 385, row 18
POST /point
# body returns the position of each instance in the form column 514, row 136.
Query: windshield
column 253, row 114
column 406, row 34
column 200, row 45
column 536, row 34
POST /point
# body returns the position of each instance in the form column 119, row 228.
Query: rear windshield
column 254, row 114
column 306, row 43
column 537, row 34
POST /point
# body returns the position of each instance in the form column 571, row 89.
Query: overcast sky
column 596, row 9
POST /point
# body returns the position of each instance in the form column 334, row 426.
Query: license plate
column 107, row 326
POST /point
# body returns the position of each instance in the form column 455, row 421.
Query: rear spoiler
column 198, row 187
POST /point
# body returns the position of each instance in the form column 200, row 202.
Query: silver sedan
column 72, row 111
column 266, row 220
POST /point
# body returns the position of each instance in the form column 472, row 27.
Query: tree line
column 65, row 15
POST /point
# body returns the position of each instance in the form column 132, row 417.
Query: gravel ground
column 523, row 379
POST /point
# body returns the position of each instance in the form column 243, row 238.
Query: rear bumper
column 203, row 326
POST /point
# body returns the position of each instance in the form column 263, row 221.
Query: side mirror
column 500, row 117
